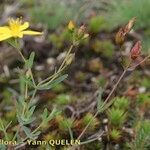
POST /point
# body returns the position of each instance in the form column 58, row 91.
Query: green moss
column 142, row 139
column 116, row 116
column 121, row 103
column 64, row 99
column 87, row 118
column 96, row 145
column 146, row 82
column 95, row 65
column 11, row 115
column 65, row 124
column 144, row 99
column 106, row 48
column 59, row 88
column 59, row 38
column 115, row 134
column 101, row 81
column 97, row 24
column 80, row 76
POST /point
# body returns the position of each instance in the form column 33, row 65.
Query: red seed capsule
column 136, row 50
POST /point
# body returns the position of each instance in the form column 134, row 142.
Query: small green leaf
column 50, row 85
column 53, row 114
column 100, row 103
column 8, row 125
column 21, row 100
column 31, row 111
column 19, row 119
column 29, row 62
column 22, row 84
column 46, row 118
column 27, row 132
column 37, row 133
column 1, row 125
column 29, row 121
column 45, row 114
column 13, row 91
column 27, row 81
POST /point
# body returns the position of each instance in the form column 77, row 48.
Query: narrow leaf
column 53, row 83
column 99, row 100
column 31, row 111
column 45, row 114
column 29, row 62
column 27, row 132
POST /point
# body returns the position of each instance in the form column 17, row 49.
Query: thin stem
column 32, row 77
column 34, row 93
column 26, row 91
column 115, row 86
column 19, row 51
column 61, row 68
column 16, row 133
column 54, row 77
column 63, row 63
column 91, row 140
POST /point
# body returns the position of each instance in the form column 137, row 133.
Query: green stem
column 61, row 68
column 16, row 134
column 54, row 77
column 23, row 58
column 26, row 91
column 32, row 77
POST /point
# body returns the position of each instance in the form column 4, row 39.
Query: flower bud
column 71, row 26
column 86, row 35
column 81, row 31
column 136, row 50
column 70, row 58
column 120, row 37
column 28, row 73
column 129, row 26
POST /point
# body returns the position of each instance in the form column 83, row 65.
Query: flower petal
column 4, row 29
column 24, row 26
column 5, row 36
column 29, row 32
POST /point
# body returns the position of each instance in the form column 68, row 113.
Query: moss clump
column 106, row 48
column 80, row 76
column 63, row 99
column 115, row 134
column 95, row 65
column 121, row 103
column 60, row 88
column 64, row 123
column 97, row 24
column 116, row 116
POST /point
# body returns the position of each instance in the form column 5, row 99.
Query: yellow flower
column 71, row 25
column 16, row 28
